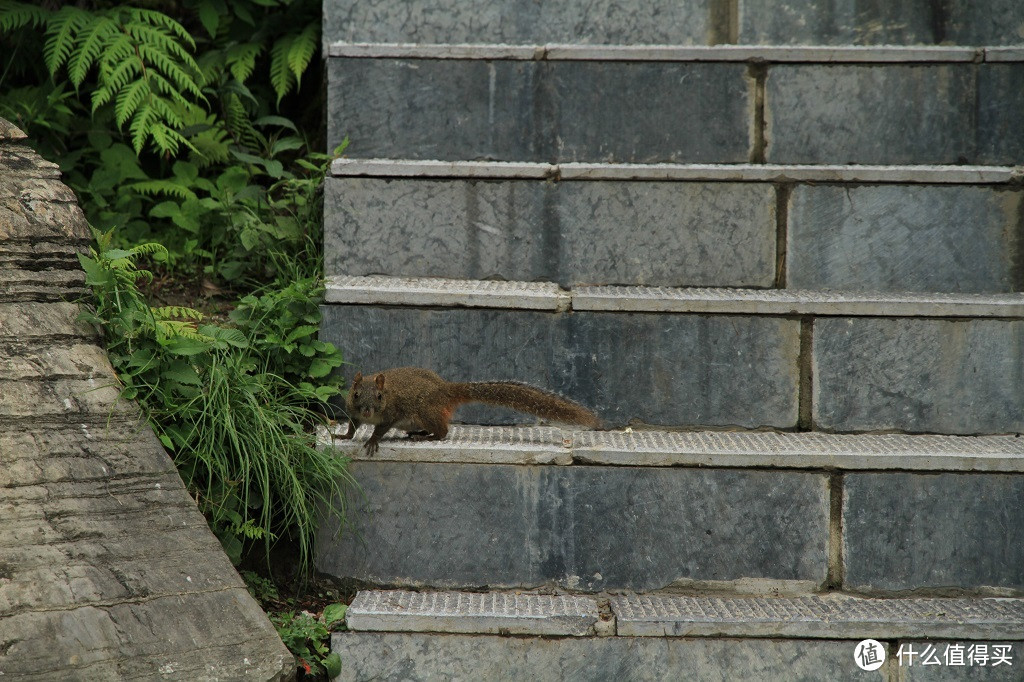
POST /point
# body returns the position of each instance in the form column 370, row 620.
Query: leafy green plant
column 307, row 637
column 241, row 435
column 171, row 121
column 283, row 325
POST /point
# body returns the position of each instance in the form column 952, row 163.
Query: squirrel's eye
column 380, row 396
column 355, row 394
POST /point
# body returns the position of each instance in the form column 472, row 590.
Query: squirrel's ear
column 379, row 380
column 356, row 379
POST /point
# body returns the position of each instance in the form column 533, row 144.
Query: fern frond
column 149, row 249
column 176, row 312
column 162, row 21
column 241, row 60
column 90, row 47
column 167, row 140
column 61, row 34
column 129, row 99
column 141, row 124
column 156, row 187
column 15, row 15
column 302, row 50
column 281, row 76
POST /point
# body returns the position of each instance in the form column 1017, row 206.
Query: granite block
column 651, row 112
column 414, row 656
column 460, row 229
column 939, row 376
column 904, row 531
column 539, row 110
column 435, row 109
column 655, row 369
column 588, row 528
column 866, row 22
column 516, row 22
column 684, row 370
column 422, row 657
column 667, row 234
column 923, row 238
column 1001, row 113
column 657, row 234
column 870, row 114
column 811, row 22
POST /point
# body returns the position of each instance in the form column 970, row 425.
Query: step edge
column 743, row 172
column 1005, row 454
column 761, row 53
column 441, row 292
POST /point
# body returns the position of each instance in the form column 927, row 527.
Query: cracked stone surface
column 107, row 569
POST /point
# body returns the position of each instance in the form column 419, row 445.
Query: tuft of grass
column 241, row 433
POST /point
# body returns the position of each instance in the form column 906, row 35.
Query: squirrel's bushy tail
column 526, row 398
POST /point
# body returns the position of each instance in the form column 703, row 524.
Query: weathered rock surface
column 107, row 569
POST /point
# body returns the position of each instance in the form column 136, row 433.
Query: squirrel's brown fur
column 418, row 400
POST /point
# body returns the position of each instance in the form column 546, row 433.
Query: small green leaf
column 332, row 664
column 334, row 613
column 209, row 17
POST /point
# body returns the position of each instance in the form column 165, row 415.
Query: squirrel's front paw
column 371, row 448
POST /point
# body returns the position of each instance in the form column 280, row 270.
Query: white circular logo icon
column 869, row 654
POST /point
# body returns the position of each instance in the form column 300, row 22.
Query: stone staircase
column 779, row 249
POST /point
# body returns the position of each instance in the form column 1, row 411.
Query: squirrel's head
column 366, row 401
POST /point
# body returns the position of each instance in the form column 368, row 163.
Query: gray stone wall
column 588, row 528
column 694, row 22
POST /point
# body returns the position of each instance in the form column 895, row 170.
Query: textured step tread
column 814, row 617
column 819, row 617
column 469, row 612
column 856, row 54
column 546, row 445
column 725, row 172
column 424, row 291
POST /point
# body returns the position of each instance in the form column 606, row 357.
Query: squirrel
column 421, row 402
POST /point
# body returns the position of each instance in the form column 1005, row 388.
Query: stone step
column 829, row 616
column 721, row 358
column 722, row 449
column 454, row 293
column 763, row 513
column 645, row 104
column 453, row 635
column 954, row 229
column 672, row 22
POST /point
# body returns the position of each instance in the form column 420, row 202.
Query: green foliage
column 261, row 589
column 141, row 61
column 283, row 325
column 241, row 435
column 171, row 121
column 308, row 637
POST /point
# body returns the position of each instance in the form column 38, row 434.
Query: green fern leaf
column 176, row 312
column 281, row 76
column 128, row 101
column 61, row 35
column 241, row 60
column 302, row 49
column 155, row 187
column 162, row 21
column 15, row 15
column 90, row 46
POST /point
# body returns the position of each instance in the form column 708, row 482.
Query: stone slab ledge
column 426, row 291
column 695, row 172
column 809, row 54
column 832, row 616
column 729, row 449
column 470, row 612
